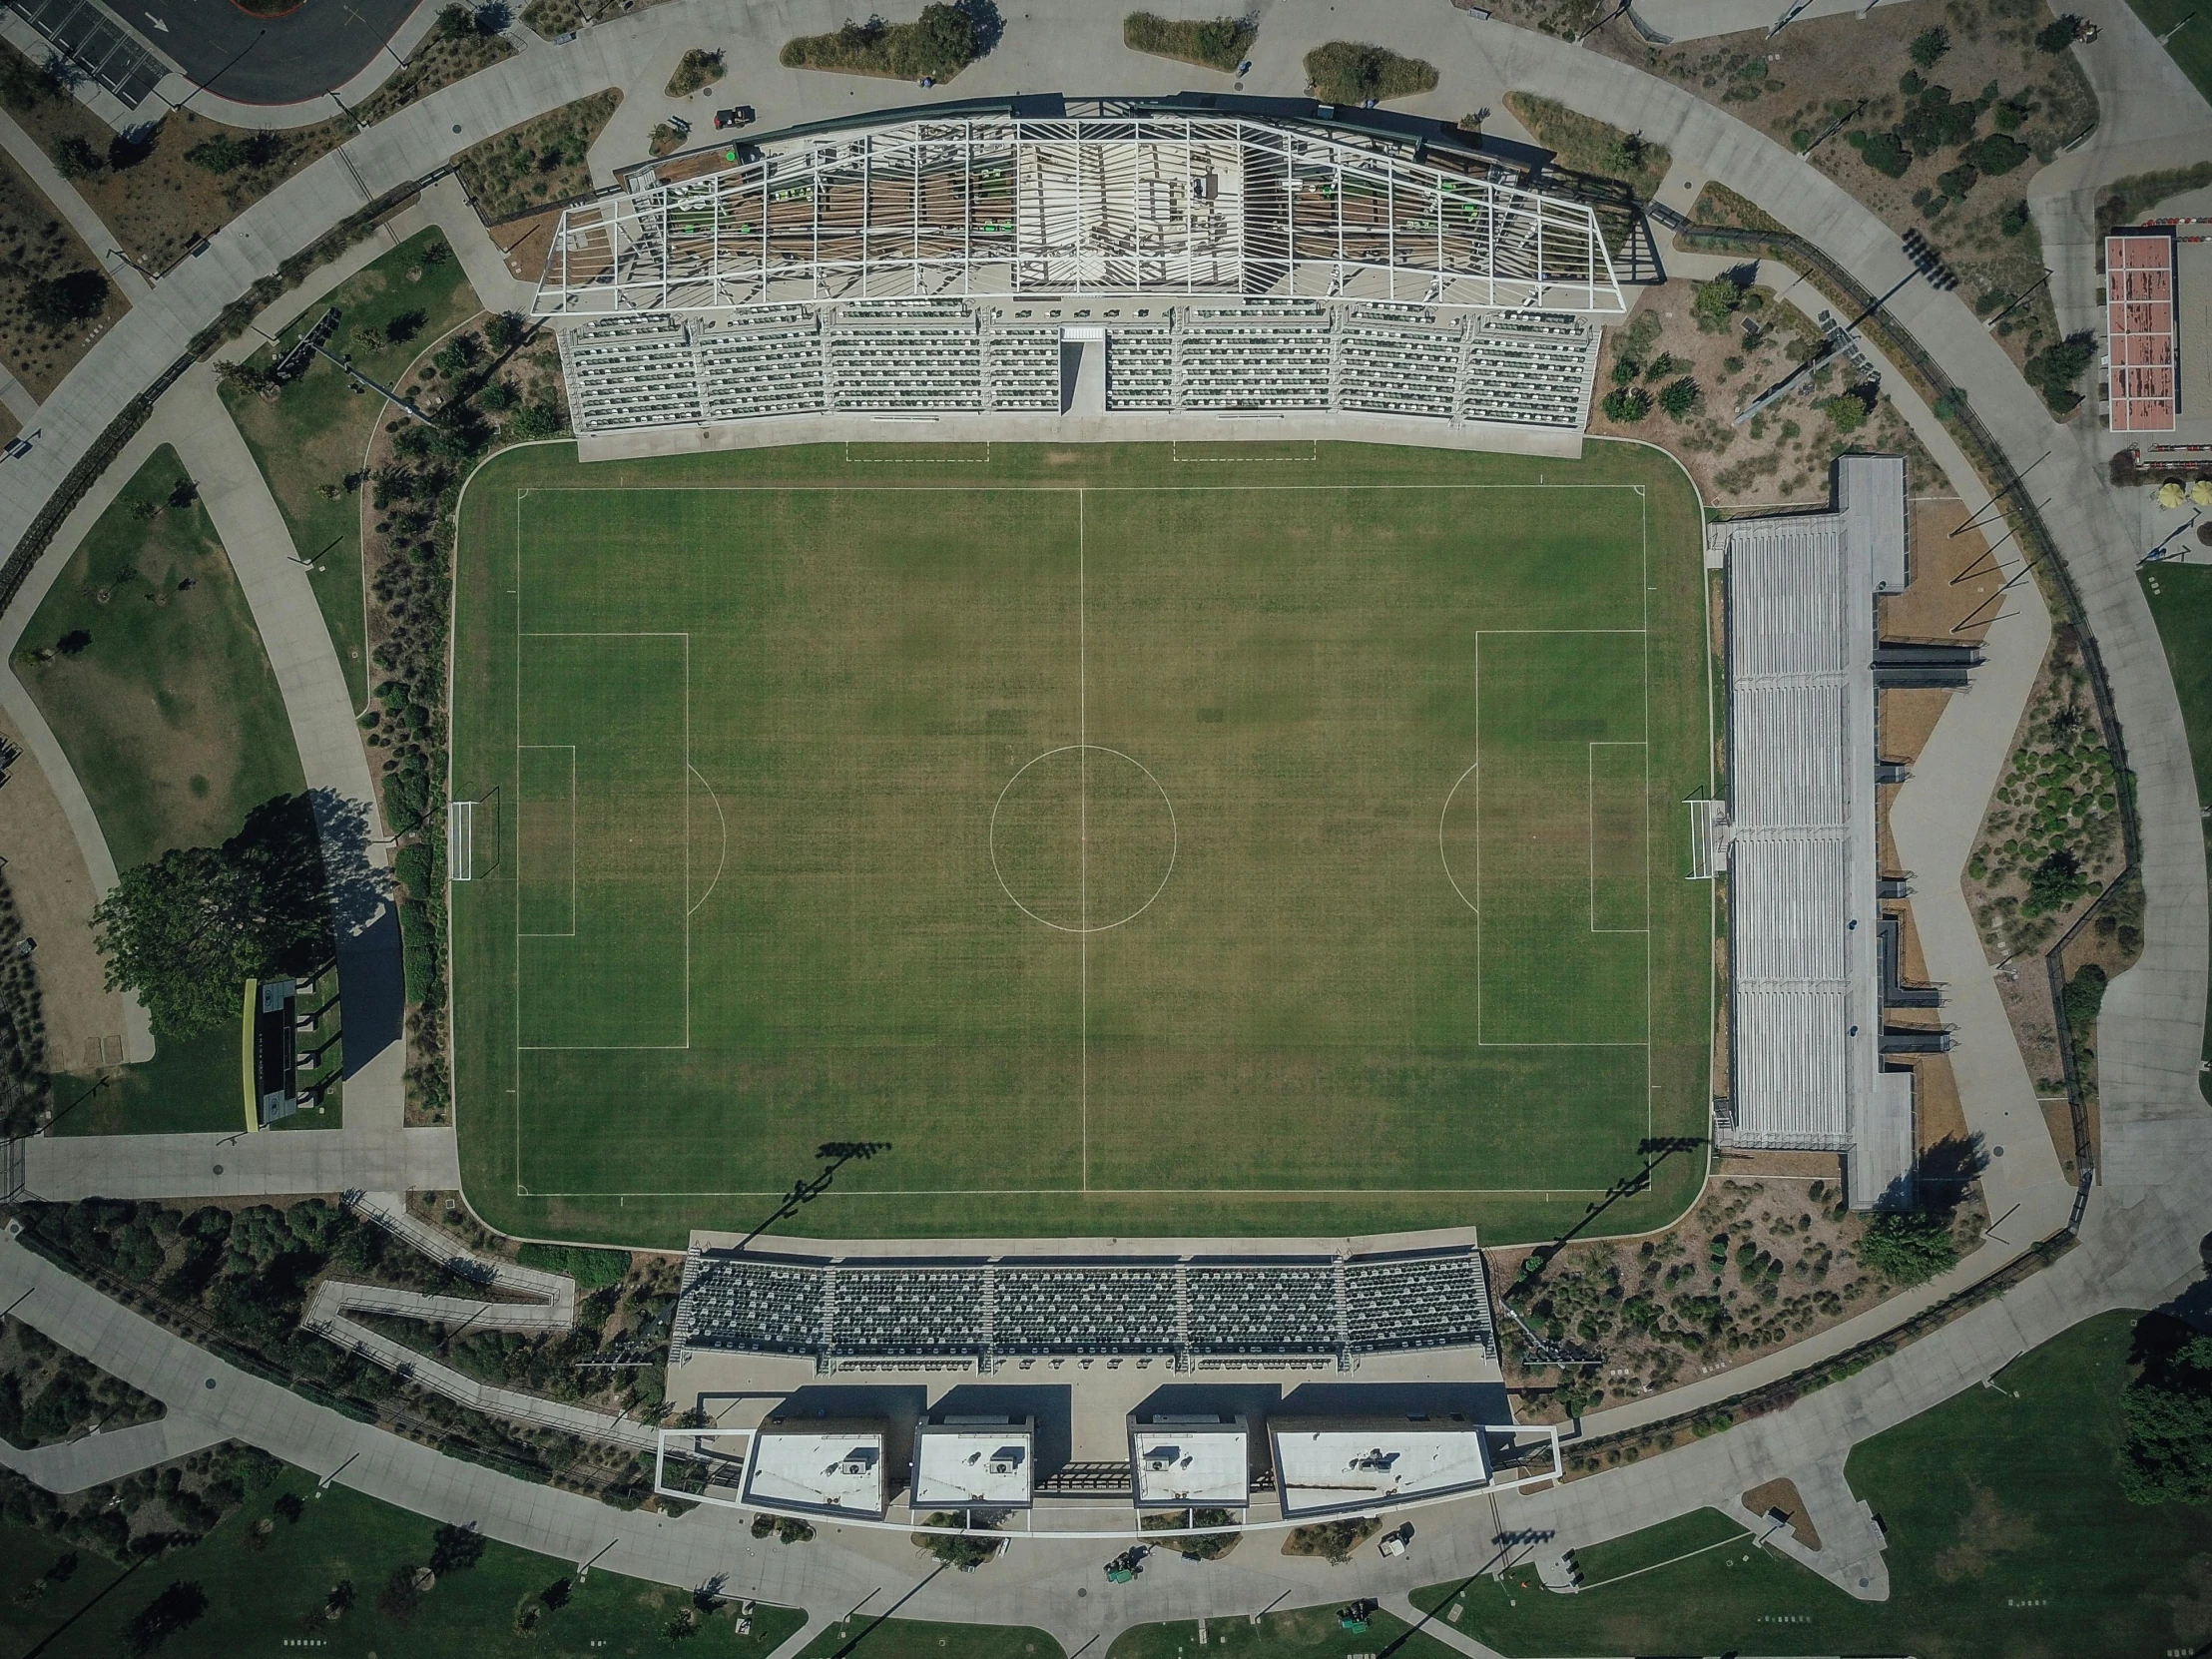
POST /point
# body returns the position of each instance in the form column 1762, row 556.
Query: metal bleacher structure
column 1806, row 1033
column 959, row 264
column 873, row 1313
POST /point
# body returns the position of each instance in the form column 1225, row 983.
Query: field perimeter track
column 1255, row 839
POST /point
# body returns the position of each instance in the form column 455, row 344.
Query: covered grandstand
column 962, row 263
column 1196, row 1312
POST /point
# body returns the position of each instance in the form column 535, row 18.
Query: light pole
column 2021, row 300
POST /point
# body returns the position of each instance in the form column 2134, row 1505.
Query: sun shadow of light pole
column 837, row 1154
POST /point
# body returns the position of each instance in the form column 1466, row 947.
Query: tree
column 75, row 158
column 1715, row 301
column 2168, row 1411
column 2054, row 884
column 1928, row 45
column 2059, row 33
column 174, row 1609
column 245, row 376
column 72, row 297
column 1680, row 399
column 1847, row 413
column 185, row 930
column 1907, row 1248
column 1627, row 404
column 453, row 1549
column 457, row 23
column 955, row 1549
column 946, row 39
column 505, row 330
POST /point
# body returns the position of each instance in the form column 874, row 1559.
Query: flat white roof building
column 1190, row 1462
column 1328, row 1465
column 834, row 1467
column 974, row 1462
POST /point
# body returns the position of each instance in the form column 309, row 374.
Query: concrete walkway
column 93, row 1460
column 75, row 212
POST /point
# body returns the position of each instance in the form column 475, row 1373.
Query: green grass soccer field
column 1286, row 842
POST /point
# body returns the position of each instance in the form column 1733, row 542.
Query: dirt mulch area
column 1778, row 460
column 1758, row 1264
column 1795, row 83
column 1780, row 1498
column 35, row 243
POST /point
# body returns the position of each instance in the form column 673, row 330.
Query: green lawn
column 1120, row 839
column 2009, row 1538
column 167, row 707
column 2181, row 603
column 2191, row 48
column 190, row 1084
column 1311, row 1630
column 864, row 1638
column 315, row 432
column 263, row 1600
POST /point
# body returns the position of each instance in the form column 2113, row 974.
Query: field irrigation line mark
column 902, row 461
column 725, row 854
column 570, row 933
column 1313, row 453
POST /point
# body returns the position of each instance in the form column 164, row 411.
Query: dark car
column 737, row 115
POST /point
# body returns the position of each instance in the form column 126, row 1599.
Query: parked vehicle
column 736, row 115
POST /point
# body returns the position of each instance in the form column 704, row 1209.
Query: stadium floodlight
column 1151, row 203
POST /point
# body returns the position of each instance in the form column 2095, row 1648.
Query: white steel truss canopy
column 1005, row 205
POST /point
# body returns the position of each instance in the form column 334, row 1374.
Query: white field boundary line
column 1079, row 491
column 1083, row 847
column 1098, row 1192
column 519, row 871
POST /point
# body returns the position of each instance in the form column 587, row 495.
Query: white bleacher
column 1021, row 368
column 872, row 1311
column 1139, row 369
column 941, row 357
column 1529, row 368
column 1806, row 1027
column 1268, row 1307
column 1398, row 361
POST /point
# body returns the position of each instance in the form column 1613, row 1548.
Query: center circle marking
column 1084, row 753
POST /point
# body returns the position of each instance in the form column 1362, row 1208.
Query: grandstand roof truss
column 1010, row 207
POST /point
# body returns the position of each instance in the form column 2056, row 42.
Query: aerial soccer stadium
column 1079, row 650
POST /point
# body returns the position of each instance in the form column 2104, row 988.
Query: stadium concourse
column 1043, row 257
